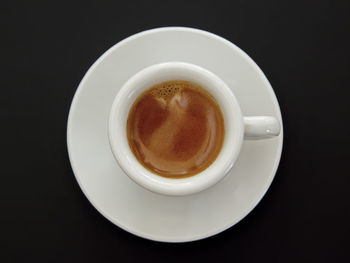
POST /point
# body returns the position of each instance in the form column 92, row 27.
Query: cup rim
column 157, row 73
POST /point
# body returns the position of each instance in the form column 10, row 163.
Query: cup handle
column 261, row 127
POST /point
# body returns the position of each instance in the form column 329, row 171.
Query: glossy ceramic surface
column 142, row 212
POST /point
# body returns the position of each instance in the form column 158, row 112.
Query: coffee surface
column 175, row 129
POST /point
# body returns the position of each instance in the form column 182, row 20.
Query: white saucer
column 139, row 211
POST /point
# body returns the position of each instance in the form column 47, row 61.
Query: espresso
column 175, row 129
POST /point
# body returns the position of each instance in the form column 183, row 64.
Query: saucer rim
column 165, row 238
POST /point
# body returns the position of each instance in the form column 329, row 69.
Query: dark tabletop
column 302, row 47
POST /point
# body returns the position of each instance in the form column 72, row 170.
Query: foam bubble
column 167, row 90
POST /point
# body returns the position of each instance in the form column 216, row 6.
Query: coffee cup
column 237, row 128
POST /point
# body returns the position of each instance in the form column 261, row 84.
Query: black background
column 303, row 48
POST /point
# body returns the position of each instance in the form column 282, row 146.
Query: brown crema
column 175, row 129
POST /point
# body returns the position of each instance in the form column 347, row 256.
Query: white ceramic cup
column 237, row 128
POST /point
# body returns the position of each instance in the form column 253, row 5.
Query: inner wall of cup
column 136, row 86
